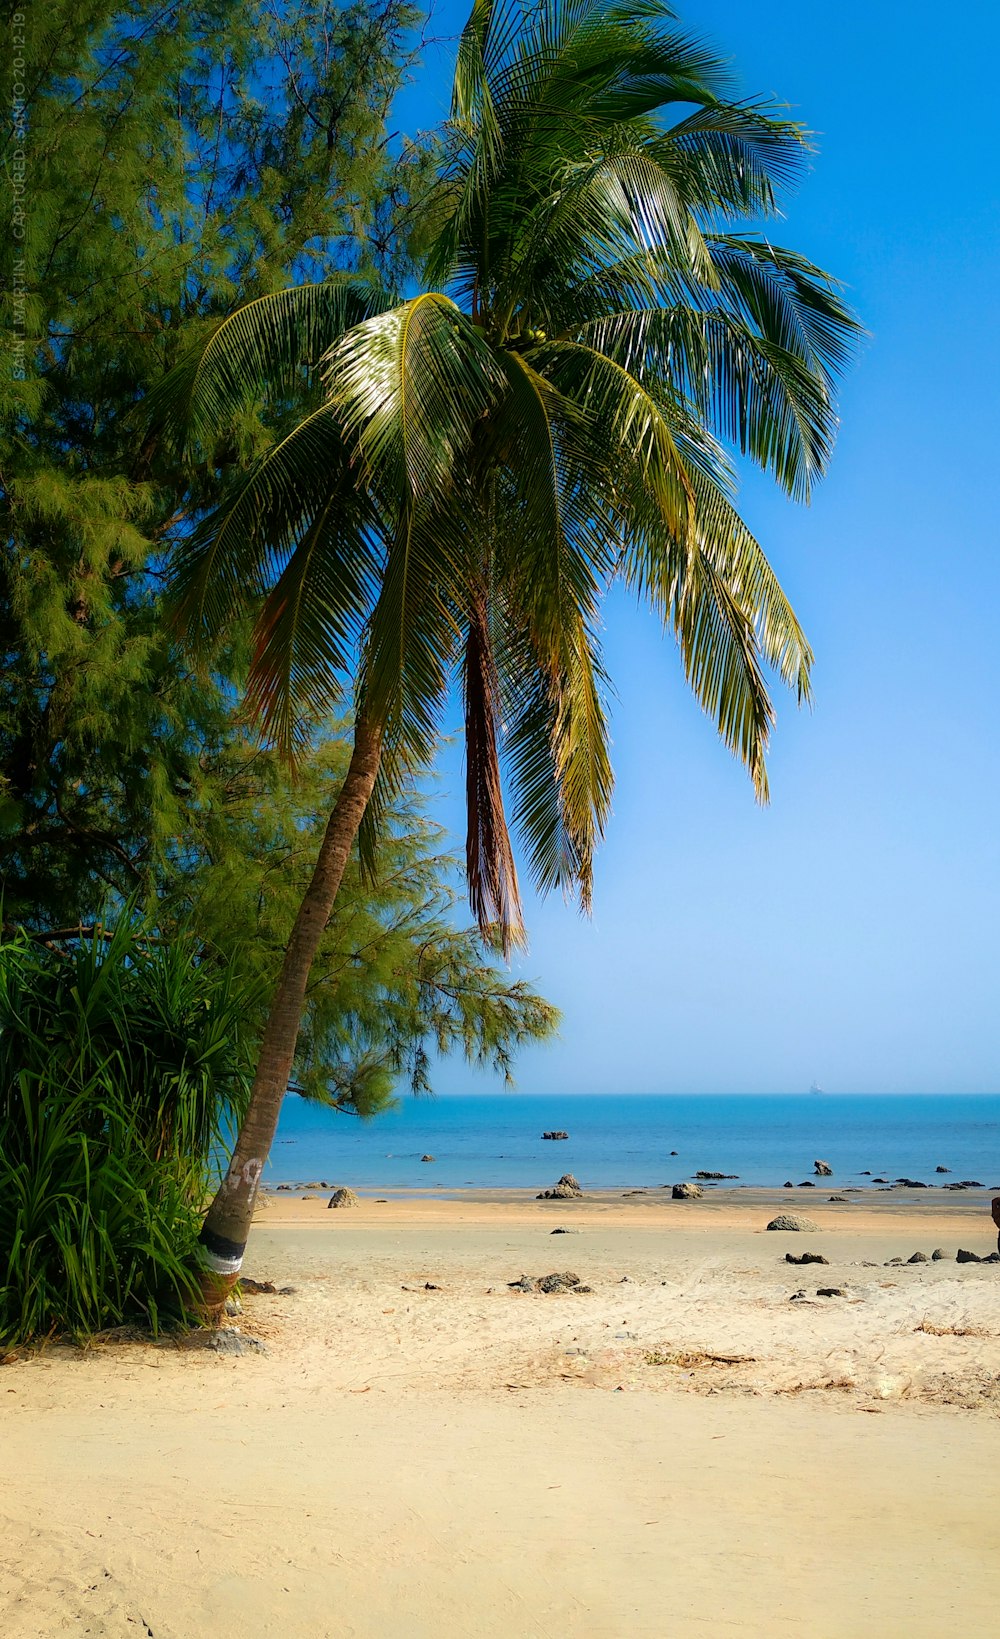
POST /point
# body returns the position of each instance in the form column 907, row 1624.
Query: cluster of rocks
column 565, row 1190
column 714, row 1177
column 561, row 1281
column 822, row 1169
column 555, row 1135
column 316, row 1184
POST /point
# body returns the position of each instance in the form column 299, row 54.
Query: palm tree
column 603, row 318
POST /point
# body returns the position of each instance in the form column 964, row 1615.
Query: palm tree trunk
column 227, row 1223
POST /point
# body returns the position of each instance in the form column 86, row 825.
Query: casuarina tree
column 602, row 327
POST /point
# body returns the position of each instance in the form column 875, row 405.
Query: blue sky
column 849, row 932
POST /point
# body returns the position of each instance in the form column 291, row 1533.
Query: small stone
column 942, row 1169
column 807, row 1183
column 525, row 1284
column 806, row 1257
column 248, row 1285
column 562, row 1231
column 893, row 1263
column 430, row 1287
column 792, row 1220
column 842, row 1199
column 788, row 1184
column 555, row 1135
column 918, row 1257
column 937, row 1254
column 831, row 1292
column 428, row 1158
column 687, row 1192
column 911, row 1183
column 343, row 1197
column 228, row 1341
column 673, row 1152
column 234, row 1306
column 287, row 1291
column 822, row 1169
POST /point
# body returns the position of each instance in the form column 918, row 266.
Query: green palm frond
column 261, row 350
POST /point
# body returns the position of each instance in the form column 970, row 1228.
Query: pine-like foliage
column 182, row 158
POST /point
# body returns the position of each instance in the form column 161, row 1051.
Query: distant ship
column 816, row 1088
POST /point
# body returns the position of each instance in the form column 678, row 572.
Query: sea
column 495, row 1141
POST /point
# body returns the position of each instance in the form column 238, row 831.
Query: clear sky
column 848, row 933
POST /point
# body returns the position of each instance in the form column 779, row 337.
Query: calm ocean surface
column 495, row 1141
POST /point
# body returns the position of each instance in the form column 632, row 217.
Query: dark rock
column 938, row 1253
column 561, row 1231
column 911, row 1183
column 248, row 1285
column 788, row 1184
column 942, row 1169
column 714, row 1177
column 576, row 1289
column 993, row 1257
column 792, row 1220
column 971, row 1183
column 284, row 1186
column 807, row 1183
column 428, row 1158
column 555, row 1135
column 687, row 1192
column 559, row 1282
column 962, row 1256
column 918, row 1257
column 893, row 1263
column 287, row 1291
column 822, row 1169
column 430, row 1287
column 525, row 1284
column 841, row 1198
column 831, row 1292
column 880, row 1180
column 806, row 1257
column 343, row 1197
column 864, row 1174
column 673, row 1152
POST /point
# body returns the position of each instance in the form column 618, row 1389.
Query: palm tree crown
column 604, row 326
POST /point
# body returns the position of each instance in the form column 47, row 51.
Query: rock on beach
column 343, row 1197
column 793, row 1220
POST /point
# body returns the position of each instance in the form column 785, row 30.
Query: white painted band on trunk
column 221, row 1266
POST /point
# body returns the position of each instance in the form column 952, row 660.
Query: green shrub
column 121, row 1061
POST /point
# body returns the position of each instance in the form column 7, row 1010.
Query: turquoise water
column 618, row 1139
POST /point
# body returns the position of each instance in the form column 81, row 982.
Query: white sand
column 470, row 1462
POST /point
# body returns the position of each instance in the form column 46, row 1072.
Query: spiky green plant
column 605, row 324
column 123, row 1064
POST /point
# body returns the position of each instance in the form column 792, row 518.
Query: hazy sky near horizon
column 849, row 932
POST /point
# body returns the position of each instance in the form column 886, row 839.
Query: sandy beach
column 417, row 1449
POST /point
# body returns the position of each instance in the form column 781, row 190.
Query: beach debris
column 428, row 1158
column 688, row 1359
column 560, row 1281
column 343, row 1197
column 942, row 1169
column 248, row 1285
column 792, row 1220
column 563, row 1231
column 918, row 1257
column 555, row 1135
column 686, row 1192
column 806, row 1257
column 714, row 1177
column 229, row 1341
column 822, row 1169
column 831, row 1291
column 937, row 1254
